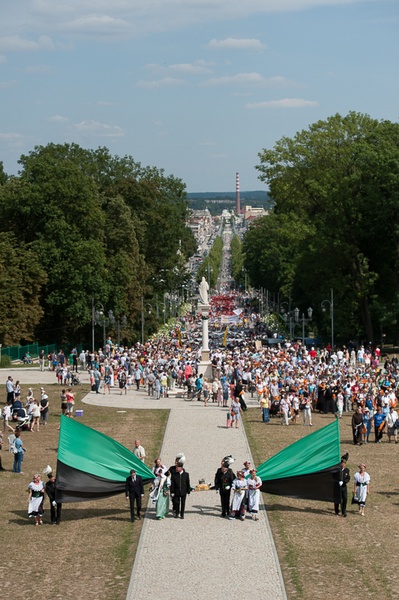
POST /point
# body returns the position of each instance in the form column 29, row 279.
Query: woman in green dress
column 160, row 493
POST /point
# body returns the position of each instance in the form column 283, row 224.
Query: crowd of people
column 286, row 379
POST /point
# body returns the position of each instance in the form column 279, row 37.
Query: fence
column 18, row 352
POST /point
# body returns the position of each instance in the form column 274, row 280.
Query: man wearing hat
column 134, row 489
column 341, row 478
column 55, row 507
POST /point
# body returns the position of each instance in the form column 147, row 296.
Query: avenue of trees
column 78, row 225
column 211, row 265
column 334, row 226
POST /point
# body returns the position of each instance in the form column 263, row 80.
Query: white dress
column 239, row 486
column 35, row 503
column 362, row 483
column 253, row 494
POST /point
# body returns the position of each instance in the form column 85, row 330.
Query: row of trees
column 335, row 224
column 237, row 260
column 211, row 265
column 79, row 225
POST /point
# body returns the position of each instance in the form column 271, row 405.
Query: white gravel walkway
column 204, row 556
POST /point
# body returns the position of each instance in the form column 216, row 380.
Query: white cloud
column 96, row 24
column 284, row 103
column 236, row 44
column 112, row 18
column 96, row 129
column 196, row 68
column 160, row 83
column 16, row 43
column 250, row 79
column 58, row 119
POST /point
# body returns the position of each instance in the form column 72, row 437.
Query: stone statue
column 203, row 291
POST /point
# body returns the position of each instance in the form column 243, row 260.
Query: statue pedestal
column 205, row 366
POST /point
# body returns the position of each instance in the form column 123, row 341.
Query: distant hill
column 216, row 202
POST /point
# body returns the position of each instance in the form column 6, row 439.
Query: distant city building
column 250, row 213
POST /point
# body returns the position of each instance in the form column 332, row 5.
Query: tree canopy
column 97, row 226
column 334, row 224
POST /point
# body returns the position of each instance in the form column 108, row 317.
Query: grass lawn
column 91, row 553
column 322, row 555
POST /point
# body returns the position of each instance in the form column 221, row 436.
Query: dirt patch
column 91, row 553
column 322, row 555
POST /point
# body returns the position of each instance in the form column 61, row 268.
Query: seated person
column 16, row 405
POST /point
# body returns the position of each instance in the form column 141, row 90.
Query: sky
column 195, row 87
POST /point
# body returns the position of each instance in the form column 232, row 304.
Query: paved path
column 203, row 556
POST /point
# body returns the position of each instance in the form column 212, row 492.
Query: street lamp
column 331, row 303
column 96, row 312
column 143, row 318
column 310, row 313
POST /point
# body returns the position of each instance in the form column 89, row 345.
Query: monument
column 204, row 307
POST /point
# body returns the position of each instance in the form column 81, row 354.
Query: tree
column 339, row 178
column 21, row 281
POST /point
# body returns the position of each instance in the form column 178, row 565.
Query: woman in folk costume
column 361, row 487
column 160, row 494
column 36, row 495
column 239, row 488
column 254, row 483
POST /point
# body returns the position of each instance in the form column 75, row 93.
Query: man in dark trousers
column 55, row 507
column 134, row 489
column 179, row 488
column 223, row 479
column 341, row 479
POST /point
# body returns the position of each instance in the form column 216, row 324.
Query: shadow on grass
column 76, row 515
column 284, row 508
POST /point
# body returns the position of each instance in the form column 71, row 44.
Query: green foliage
column 334, row 224
column 237, row 260
column 210, row 267
column 5, row 361
column 21, row 281
column 96, row 224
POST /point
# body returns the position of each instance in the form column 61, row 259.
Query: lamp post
column 143, row 318
column 96, row 312
column 323, row 306
column 310, row 313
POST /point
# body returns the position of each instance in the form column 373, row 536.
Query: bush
column 5, row 361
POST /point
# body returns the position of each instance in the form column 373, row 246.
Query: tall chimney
column 238, row 203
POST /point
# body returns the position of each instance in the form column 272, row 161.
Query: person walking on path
column 179, row 488
column 224, row 478
column 254, row 484
column 134, row 490
column 235, row 410
column 239, row 487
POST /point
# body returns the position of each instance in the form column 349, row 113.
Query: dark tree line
column 334, row 225
column 77, row 223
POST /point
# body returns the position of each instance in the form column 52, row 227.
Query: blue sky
column 196, row 87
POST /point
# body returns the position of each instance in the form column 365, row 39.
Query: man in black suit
column 134, row 489
column 223, row 481
column 341, row 478
column 179, row 488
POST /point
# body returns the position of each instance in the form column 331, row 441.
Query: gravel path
column 205, row 555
